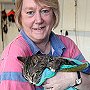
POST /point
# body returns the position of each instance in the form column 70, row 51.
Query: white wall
column 76, row 20
column 12, row 29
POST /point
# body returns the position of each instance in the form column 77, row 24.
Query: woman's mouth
column 39, row 28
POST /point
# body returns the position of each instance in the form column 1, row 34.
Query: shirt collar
column 56, row 43
column 31, row 44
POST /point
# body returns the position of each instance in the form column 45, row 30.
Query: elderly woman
column 36, row 19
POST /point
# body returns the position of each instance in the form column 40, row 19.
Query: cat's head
column 33, row 67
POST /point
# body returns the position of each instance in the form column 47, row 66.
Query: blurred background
column 74, row 23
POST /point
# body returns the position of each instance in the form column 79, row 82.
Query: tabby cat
column 33, row 66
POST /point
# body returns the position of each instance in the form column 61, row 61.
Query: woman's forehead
column 31, row 4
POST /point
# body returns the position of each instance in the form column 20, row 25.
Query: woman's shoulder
column 65, row 39
column 17, row 42
column 17, row 46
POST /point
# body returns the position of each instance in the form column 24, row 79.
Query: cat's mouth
column 36, row 78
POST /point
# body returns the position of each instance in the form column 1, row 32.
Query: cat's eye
column 37, row 71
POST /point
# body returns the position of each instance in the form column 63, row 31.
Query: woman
column 36, row 19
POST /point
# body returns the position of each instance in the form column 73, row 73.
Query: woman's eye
column 45, row 11
column 30, row 13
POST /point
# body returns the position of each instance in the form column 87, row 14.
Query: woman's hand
column 85, row 85
column 61, row 81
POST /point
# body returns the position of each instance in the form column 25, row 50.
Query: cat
column 33, row 66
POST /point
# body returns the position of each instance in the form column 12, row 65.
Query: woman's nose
column 38, row 18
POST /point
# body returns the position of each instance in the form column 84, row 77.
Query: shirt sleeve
column 72, row 51
column 11, row 77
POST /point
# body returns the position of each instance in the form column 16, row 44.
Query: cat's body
column 36, row 64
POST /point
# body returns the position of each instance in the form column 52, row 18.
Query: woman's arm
column 62, row 80
column 85, row 85
column 11, row 77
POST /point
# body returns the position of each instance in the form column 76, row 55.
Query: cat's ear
column 22, row 59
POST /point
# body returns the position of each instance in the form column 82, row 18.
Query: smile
column 40, row 28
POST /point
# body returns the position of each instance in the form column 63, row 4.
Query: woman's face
column 37, row 21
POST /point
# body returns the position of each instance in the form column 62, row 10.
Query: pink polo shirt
column 11, row 68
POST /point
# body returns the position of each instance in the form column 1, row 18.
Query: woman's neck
column 44, row 46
